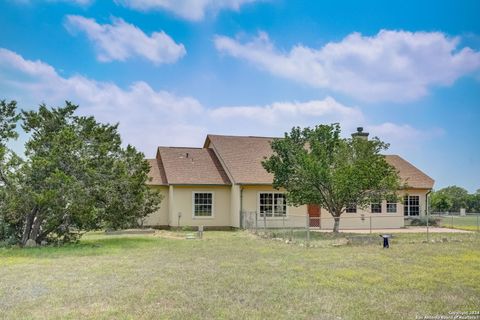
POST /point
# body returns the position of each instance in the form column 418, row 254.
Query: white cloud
column 121, row 40
column 193, row 10
column 76, row 2
column 403, row 136
column 390, row 66
column 149, row 117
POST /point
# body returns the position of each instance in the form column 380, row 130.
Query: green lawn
column 235, row 275
column 460, row 222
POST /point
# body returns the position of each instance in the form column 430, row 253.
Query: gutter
column 426, row 201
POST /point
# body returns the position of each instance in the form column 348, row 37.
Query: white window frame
column 352, row 208
column 273, row 205
column 193, row 205
column 419, row 205
column 381, row 207
column 391, row 202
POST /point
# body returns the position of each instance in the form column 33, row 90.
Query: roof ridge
column 234, row 136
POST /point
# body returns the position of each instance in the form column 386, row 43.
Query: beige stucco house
column 212, row 186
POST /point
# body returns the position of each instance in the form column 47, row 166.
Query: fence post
column 370, row 224
column 452, row 222
column 284, row 234
column 265, row 222
column 428, row 236
column 308, row 230
column 256, row 223
column 478, row 226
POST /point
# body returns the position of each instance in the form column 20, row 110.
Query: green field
column 471, row 223
column 235, row 275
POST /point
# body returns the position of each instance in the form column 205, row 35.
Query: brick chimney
column 360, row 134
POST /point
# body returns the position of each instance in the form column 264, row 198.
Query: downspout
column 241, row 207
column 426, row 201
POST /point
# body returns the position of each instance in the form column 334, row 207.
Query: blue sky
column 172, row 71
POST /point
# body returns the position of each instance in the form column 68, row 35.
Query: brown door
column 314, row 214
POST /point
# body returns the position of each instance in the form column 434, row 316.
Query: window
column 376, row 207
column 203, row 204
column 351, row 208
column 391, row 206
column 411, row 206
column 273, row 205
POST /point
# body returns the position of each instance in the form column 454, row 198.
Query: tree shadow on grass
column 85, row 247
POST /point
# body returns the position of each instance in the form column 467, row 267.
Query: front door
column 314, row 214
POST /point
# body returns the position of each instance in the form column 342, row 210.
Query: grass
column 235, row 275
column 460, row 222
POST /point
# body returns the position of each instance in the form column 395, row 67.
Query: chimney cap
column 360, row 133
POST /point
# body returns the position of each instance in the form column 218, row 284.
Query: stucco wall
column 296, row 216
column 183, row 202
column 363, row 217
column 159, row 217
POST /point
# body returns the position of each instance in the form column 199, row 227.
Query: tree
column 76, row 177
column 9, row 161
column 440, row 202
column 457, row 198
column 317, row 166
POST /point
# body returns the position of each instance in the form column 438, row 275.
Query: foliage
column 76, row 177
column 317, row 166
column 453, row 198
column 432, row 221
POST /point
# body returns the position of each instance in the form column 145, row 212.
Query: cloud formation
column 76, row 2
column 150, row 117
column 121, row 41
column 194, row 10
column 394, row 66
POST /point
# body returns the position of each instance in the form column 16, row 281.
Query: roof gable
column 190, row 166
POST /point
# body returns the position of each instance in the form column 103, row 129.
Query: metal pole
column 308, row 230
column 428, row 239
column 452, row 222
column 265, row 222
column 256, row 223
column 284, row 234
column 478, row 226
column 370, row 224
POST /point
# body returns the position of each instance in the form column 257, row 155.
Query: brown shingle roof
column 195, row 166
column 409, row 174
column 157, row 174
column 242, row 157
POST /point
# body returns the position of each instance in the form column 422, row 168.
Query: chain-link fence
column 457, row 220
column 362, row 229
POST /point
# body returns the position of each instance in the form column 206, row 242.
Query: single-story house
column 223, row 183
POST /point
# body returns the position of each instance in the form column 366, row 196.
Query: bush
column 434, row 222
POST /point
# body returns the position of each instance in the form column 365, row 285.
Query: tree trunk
column 336, row 223
column 36, row 228
column 28, row 225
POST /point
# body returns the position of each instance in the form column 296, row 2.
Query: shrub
column 434, row 222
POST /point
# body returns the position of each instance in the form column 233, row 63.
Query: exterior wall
column 296, row 216
column 183, row 203
column 229, row 201
column 363, row 217
column 159, row 217
column 235, row 207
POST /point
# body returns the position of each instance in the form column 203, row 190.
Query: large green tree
column 454, row 198
column 75, row 177
column 317, row 166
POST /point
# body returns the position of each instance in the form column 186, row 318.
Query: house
column 223, row 183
